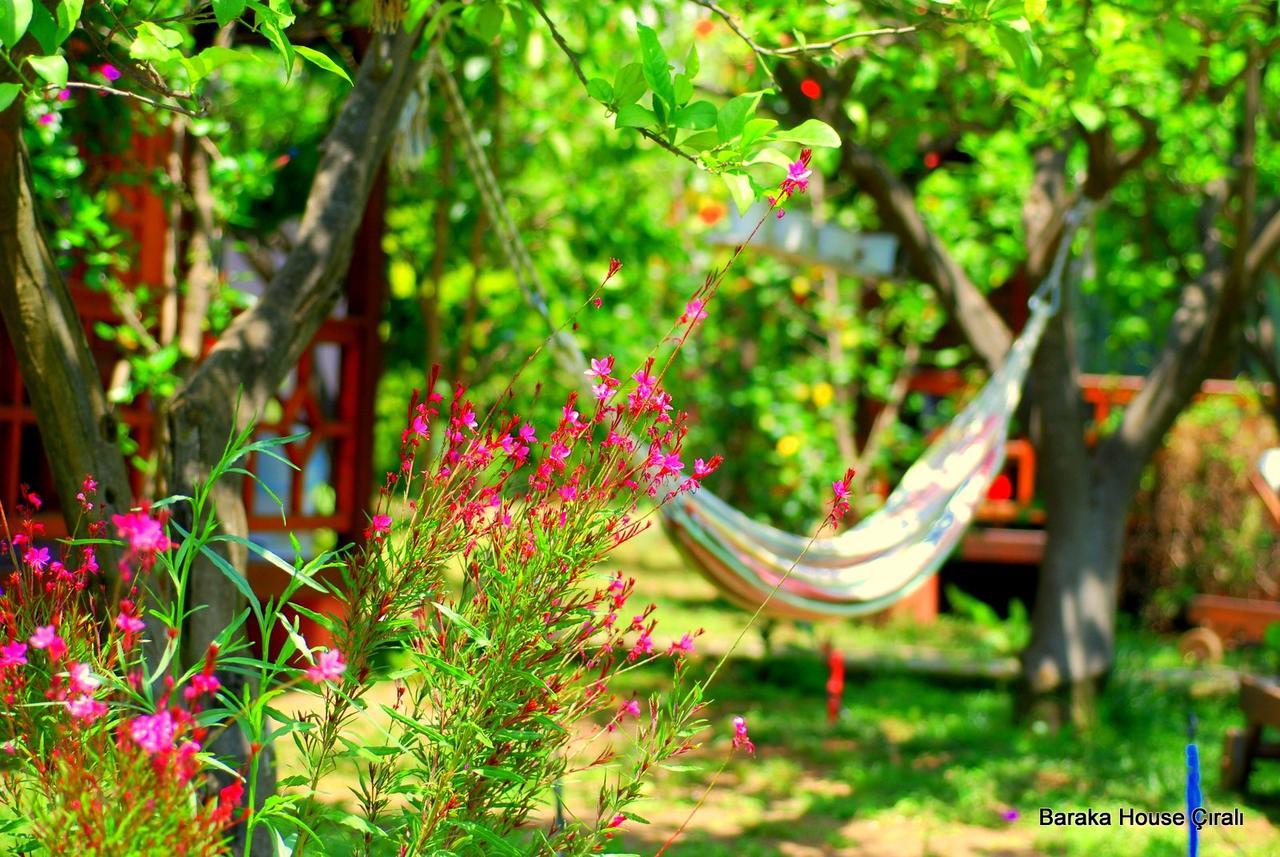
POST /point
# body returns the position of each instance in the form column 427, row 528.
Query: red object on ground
column 1001, row 488
column 810, row 88
column 835, row 684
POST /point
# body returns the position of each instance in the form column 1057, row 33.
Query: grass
column 916, row 767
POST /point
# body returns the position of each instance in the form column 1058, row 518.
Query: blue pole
column 1193, row 799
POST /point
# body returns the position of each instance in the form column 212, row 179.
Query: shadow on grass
column 953, row 749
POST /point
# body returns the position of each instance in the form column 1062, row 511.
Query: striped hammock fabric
column 886, row 556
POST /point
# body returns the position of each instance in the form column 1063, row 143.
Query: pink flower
column 110, row 72
column 568, row 493
column 86, row 708
column 643, row 646
column 527, row 433
column 82, row 680
column 144, row 533
column 694, row 311
column 47, row 119
column 329, row 666
column 13, row 655
column 381, row 525
column 683, row 646
column 632, row 708
column 742, row 741
column 153, row 733
column 570, row 415
column 601, row 391
column 419, row 426
column 703, row 469
column 130, row 624
column 46, row 637
column 558, row 453
column 468, row 418
column 64, row 94
column 798, row 174
column 600, row 368
column 37, row 558
column 1009, row 815
column 201, row 683
column 616, row 821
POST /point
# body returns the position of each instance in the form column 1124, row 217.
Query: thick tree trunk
column 1073, row 621
column 76, row 424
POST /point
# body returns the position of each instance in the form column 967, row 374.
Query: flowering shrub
column 474, row 593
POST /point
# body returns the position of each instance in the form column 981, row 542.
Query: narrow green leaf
column 657, row 71
column 683, row 89
column 692, row 65
column 15, row 17
column 322, row 60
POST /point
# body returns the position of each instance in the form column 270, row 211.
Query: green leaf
column 755, row 129
column 635, row 116
column 657, row 71
column 488, row 22
column 471, row 630
column 1035, row 9
column 44, row 29
column 740, row 189
column 8, row 92
column 811, row 132
column 628, row 84
column 1088, row 115
column 15, row 17
column 68, row 15
column 322, row 60
column 51, row 68
column 732, row 117
column 1015, row 38
column 692, row 65
column 683, row 89
column 227, row 11
column 268, row 26
column 210, row 59
column 701, row 141
column 697, row 116
column 600, row 89
column 155, row 44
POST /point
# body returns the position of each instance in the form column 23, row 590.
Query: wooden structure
column 329, row 394
column 1260, row 702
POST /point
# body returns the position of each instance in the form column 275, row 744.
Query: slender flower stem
column 705, row 793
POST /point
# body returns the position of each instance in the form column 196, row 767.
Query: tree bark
column 77, row 426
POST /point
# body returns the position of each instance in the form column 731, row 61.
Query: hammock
column 883, row 558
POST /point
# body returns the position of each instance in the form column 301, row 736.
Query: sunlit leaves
column 15, row 17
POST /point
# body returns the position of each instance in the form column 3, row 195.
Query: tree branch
column 798, row 50
column 927, row 257
column 575, row 61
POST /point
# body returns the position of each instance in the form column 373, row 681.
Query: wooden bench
column 1260, row 702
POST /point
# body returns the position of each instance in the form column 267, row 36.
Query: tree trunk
column 1073, row 621
column 77, row 426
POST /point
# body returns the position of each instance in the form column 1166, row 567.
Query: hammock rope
column 884, row 557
